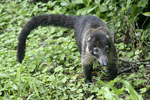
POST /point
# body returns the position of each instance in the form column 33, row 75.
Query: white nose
column 103, row 60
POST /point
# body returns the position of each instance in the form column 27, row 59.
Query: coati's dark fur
column 92, row 38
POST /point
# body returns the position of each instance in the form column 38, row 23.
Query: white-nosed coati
column 92, row 38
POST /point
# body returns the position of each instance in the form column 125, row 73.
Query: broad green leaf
column 103, row 8
column 91, row 9
column 142, row 90
column 146, row 14
column 36, row 90
column 79, row 1
column 65, row 3
column 133, row 93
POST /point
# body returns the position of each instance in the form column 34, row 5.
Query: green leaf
column 36, row 90
column 133, row 93
column 110, row 14
column 59, row 68
column 91, row 9
column 142, row 90
column 146, row 14
column 85, row 2
column 103, row 8
column 81, row 11
column 143, row 3
column 79, row 1
column 65, row 3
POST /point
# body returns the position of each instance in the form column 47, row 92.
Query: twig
column 124, row 70
column 6, row 30
column 134, row 20
column 11, row 8
column 133, row 61
column 143, row 54
column 139, row 31
column 131, row 30
column 144, row 22
column 144, row 60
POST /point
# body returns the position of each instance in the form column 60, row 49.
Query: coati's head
column 99, row 46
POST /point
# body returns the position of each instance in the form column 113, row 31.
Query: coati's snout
column 100, row 54
column 103, row 60
column 99, row 48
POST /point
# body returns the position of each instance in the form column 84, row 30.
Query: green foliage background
column 52, row 68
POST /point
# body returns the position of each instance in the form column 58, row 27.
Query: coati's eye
column 95, row 50
column 107, row 49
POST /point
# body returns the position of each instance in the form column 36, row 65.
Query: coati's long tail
column 43, row 20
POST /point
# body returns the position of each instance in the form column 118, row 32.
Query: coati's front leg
column 87, row 66
column 112, row 70
column 87, row 70
column 112, row 64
